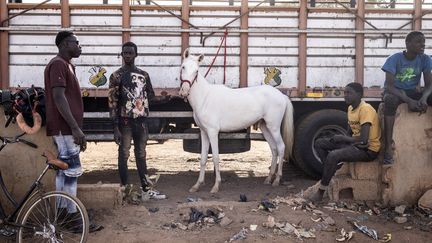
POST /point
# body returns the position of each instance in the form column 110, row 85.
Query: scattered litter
column 195, row 215
column 299, row 232
column 329, row 220
column 181, row 226
column 386, row 238
column 364, row 229
column 253, row 227
column 400, row 209
column 369, row 212
column 400, row 220
column 153, row 210
column 240, row 235
column 408, row 227
column 225, row 221
column 243, row 198
column 192, row 199
column 270, row 222
column 267, row 206
column 345, row 236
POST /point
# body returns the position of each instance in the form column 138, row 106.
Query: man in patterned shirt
column 130, row 90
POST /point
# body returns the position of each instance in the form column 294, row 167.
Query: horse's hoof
column 193, row 189
column 275, row 183
column 214, row 190
column 267, row 181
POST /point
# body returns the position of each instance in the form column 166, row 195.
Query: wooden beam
column 4, row 47
column 126, row 20
column 359, row 43
column 65, row 14
column 244, row 25
column 302, row 49
column 417, row 24
column 185, row 16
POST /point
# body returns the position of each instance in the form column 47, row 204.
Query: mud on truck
column 308, row 49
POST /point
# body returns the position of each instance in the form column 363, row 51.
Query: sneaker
column 152, row 194
column 5, row 231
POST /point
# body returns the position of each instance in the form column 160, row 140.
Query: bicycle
column 42, row 216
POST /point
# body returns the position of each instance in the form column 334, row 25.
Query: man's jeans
column 137, row 130
column 67, row 180
column 333, row 154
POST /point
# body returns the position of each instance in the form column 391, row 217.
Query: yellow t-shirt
column 365, row 113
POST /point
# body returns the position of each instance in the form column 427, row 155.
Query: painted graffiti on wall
column 97, row 76
column 272, row 76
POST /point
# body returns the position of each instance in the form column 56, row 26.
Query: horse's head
column 189, row 72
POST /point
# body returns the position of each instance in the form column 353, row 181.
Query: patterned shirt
column 129, row 94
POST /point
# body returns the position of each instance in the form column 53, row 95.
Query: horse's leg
column 268, row 137
column 280, row 146
column 213, row 137
column 204, row 155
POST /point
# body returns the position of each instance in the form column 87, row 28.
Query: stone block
column 365, row 170
column 367, row 190
column 344, row 170
column 98, row 196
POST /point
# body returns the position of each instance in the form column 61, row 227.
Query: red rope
column 217, row 53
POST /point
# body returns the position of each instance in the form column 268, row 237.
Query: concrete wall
column 410, row 176
column 21, row 164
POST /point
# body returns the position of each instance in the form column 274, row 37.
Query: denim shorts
column 69, row 153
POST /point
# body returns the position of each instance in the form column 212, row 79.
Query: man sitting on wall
column 403, row 72
column 362, row 143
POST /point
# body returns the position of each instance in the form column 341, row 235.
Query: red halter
column 187, row 81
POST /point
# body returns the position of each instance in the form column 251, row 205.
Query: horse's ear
column 186, row 53
column 200, row 58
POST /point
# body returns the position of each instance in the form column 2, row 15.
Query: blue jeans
column 137, row 130
column 67, row 180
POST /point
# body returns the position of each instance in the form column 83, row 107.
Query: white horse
column 217, row 108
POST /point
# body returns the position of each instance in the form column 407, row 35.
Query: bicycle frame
column 35, row 189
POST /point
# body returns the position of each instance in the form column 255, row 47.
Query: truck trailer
column 309, row 50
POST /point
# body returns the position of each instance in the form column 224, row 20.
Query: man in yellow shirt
column 362, row 142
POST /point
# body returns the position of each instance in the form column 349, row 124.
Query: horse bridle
column 187, row 81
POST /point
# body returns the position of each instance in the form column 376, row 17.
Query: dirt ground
column 242, row 173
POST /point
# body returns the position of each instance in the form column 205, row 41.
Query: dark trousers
column 137, row 130
column 333, row 154
column 391, row 101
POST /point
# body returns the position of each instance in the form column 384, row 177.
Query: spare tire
column 318, row 124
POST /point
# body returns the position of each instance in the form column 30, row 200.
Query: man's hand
column 423, row 105
column 117, row 135
column 414, row 105
column 79, row 138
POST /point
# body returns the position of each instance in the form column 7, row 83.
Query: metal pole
column 359, row 43
column 417, row 23
column 302, row 49
column 244, row 25
column 126, row 20
column 65, row 14
column 4, row 46
column 185, row 16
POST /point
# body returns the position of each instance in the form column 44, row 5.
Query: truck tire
column 226, row 146
column 318, row 124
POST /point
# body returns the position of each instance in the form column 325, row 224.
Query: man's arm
column 428, row 89
column 63, row 107
column 113, row 97
column 389, row 84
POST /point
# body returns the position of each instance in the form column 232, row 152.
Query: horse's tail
column 288, row 129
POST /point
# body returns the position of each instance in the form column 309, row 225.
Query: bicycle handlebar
column 16, row 139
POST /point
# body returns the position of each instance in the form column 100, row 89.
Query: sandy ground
column 242, row 173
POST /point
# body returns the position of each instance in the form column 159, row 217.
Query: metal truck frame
column 308, row 51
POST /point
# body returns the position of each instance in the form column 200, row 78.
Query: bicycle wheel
column 54, row 217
